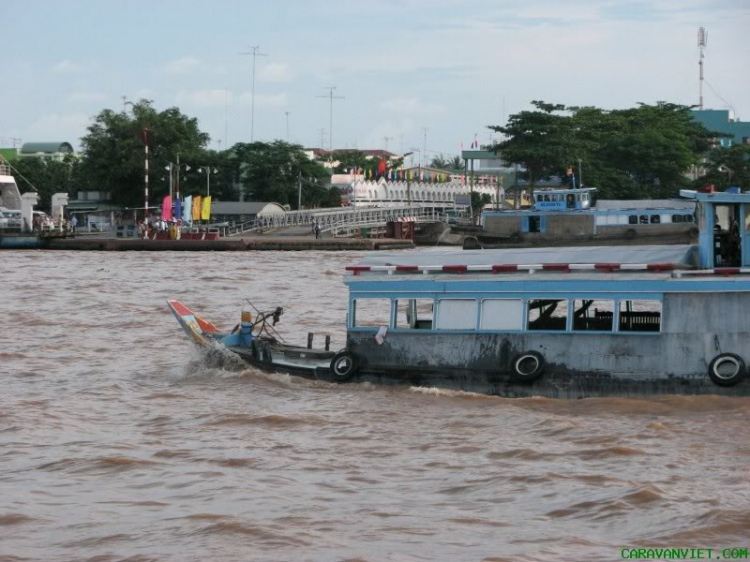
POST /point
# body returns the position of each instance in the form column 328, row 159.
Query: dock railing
column 341, row 222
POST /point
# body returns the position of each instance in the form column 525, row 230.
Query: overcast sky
column 450, row 66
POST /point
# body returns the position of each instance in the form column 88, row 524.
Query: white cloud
column 264, row 100
column 411, row 105
column 58, row 126
column 185, row 65
column 86, row 97
column 205, row 98
column 275, row 72
column 70, row 67
column 143, row 94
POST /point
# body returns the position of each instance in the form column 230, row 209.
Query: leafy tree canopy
column 271, row 171
column 640, row 152
column 727, row 167
column 48, row 176
column 113, row 154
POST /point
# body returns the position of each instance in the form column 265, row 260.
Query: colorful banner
column 197, row 208
column 206, row 211
column 188, row 209
column 166, row 208
column 177, row 209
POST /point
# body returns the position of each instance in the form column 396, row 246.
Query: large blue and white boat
column 568, row 323
column 574, row 216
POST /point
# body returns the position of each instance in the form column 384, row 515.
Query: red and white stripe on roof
column 551, row 267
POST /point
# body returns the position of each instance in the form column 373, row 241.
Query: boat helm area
column 724, row 222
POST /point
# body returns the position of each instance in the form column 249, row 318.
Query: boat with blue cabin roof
column 555, row 322
column 574, row 216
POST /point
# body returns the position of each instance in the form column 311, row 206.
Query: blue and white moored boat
column 567, row 323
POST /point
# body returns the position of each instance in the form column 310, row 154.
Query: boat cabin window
column 372, row 312
column 632, row 219
column 502, row 314
column 535, row 224
column 643, row 219
column 640, row 316
column 593, row 315
column 414, row 314
column 457, row 314
column 547, row 314
column 682, row 218
column 655, row 219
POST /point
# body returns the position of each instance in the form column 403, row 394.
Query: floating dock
column 264, row 243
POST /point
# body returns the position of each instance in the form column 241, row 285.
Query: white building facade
column 383, row 193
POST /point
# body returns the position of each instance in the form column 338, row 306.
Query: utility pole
column 386, row 139
column 299, row 190
column 331, row 97
column 424, row 145
column 226, row 116
column 255, row 52
column 287, row 125
column 322, row 133
column 702, row 42
column 145, row 137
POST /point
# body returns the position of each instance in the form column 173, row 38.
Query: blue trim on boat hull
column 22, row 242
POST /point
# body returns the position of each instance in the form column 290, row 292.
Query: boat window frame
column 619, row 303
column 352, row 314
column 527, row 300
column 522, row 319
column 394, row 314
column 615, row 315
column 437, row 312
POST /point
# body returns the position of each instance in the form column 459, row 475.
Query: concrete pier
column 263, row 243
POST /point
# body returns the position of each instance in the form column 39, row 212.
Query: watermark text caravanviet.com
column 685, row 554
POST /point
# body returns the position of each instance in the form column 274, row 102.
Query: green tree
column 440, row 162
column 456, row 163
column 48, row 176
column 727, row 167
column 113, row 153
column 541, row 141
column 641, row 152
column 350, row 159
column 270, row 172
column 479, row 201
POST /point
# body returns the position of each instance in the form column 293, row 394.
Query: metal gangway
column 340, row 222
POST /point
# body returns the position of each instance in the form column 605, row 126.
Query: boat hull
column 30, row 242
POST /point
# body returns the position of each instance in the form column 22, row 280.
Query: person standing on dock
column 317, row 231
column 73, row 224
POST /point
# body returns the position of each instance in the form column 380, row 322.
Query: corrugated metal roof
column 245, row 208
column 618, row 204
column 678, row 254
column 46, row 147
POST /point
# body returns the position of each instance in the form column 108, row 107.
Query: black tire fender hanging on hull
column 344, row 366
column 527, row 366
column 727, row 369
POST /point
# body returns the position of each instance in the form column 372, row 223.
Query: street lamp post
column 208, row 171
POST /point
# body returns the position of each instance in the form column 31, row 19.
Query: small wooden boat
column 256, row 341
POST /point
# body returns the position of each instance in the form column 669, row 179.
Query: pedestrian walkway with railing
column 340, row 222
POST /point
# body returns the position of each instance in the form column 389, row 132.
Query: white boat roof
column 682, row 254
column 644, row 204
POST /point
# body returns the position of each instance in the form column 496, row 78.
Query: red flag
column 381, row 166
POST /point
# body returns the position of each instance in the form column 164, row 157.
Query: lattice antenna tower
column 702, row 43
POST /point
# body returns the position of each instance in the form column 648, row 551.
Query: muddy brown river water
column 118, row 441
